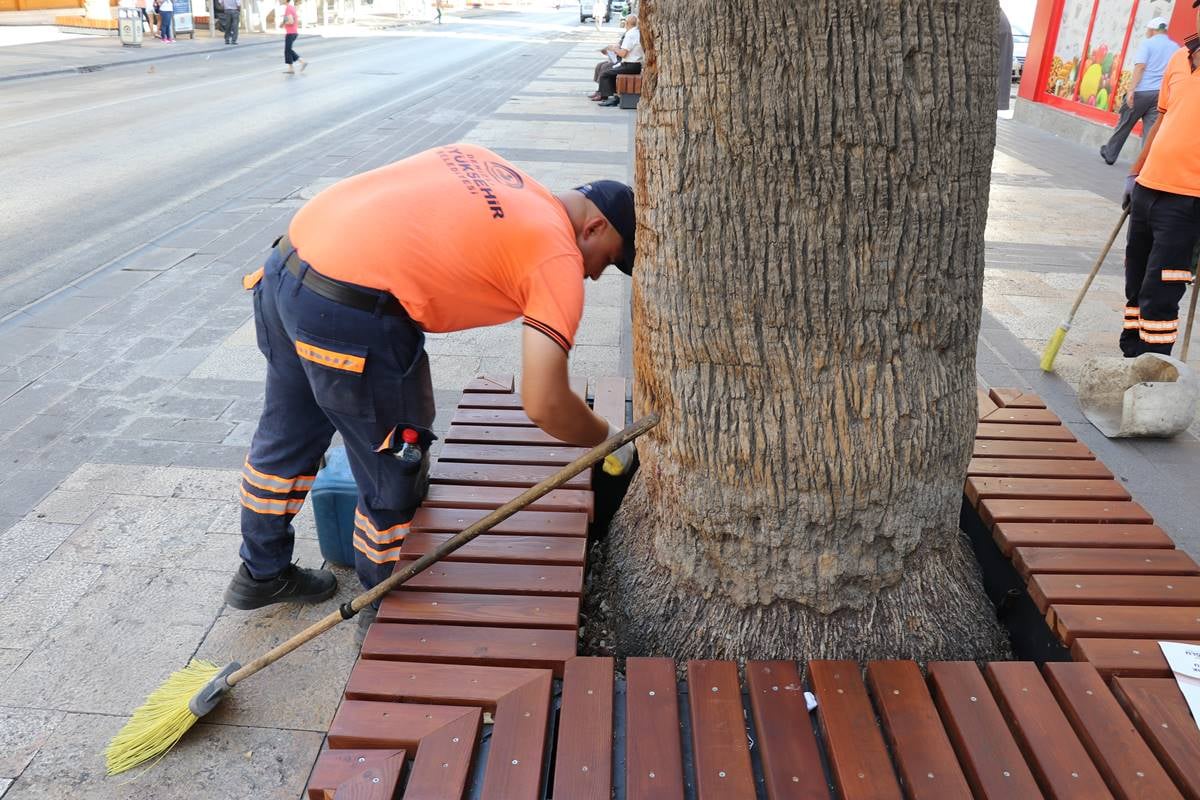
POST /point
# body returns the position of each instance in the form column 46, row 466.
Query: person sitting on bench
column 630, row 53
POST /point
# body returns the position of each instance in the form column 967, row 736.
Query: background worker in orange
column 449, row 239
column 1163, row 196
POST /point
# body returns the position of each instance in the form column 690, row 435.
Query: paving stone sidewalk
column 127, row 402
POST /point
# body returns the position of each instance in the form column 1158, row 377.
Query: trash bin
column 129, row 26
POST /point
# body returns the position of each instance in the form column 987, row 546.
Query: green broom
column 196, row 689
column 1060, row 333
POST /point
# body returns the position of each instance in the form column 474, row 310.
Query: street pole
column 212, row 18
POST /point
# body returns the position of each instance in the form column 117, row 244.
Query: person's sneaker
column 293, row 585
column 610, row 102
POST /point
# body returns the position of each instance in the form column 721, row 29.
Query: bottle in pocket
column 410, row 450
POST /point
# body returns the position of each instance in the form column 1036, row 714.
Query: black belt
column 343, row 293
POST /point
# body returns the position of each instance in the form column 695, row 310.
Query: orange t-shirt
column 458, row 235
column 1173, row 164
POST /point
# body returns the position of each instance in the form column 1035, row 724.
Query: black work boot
column 293, row 585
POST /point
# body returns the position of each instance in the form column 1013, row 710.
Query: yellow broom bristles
column 1052, row 347
column 161, row 721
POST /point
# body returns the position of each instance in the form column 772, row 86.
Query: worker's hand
column 618, row 461
column 1127, row 197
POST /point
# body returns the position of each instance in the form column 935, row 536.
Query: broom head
column 162, row 720
column 1052, row 347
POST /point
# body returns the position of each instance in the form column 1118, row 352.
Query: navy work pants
column 1163, row 229
column 333, row 367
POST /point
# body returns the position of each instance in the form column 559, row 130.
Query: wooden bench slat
column 334, row 767
column 1001, row 448
column 492, row 497
column 440, row 684
column 1115, row 511
column 483, row 578
column 492, row 416
column 923, row 753
column 1015, row 398
column 523, row 475
column 493, row 610
column 1023, row 416
column 653, row 754
column 1124, row 622
column 1079, row 534
column 989, row 754
column 377, row 781
column 1102, row 561
column 1125, row 761
column 583, row 760
column 1017, row 432
column 1161, row 715
column 463, row 644
column 499, row 434
column 491, row 401
column 858, row 756
column 1037, row 468
column 525, row 523
column 1115, row 590
column 791, row 760
column 501, row 548
column 373, row 724
column 719, row 745
column 501, row 383
column 609, row 399
column 980, row 488
column 985, row 403
column 519, row 742
column 558, row 456
column 1139, row 658
column 1061, row 764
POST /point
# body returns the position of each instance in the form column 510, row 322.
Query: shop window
column 1068, row 49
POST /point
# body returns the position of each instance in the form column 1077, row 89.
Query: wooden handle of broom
column 1187, row 331
column 1112, row 237
column 593, row 456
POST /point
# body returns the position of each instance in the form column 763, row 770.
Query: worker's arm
column 1138, row 71
column 547, row 396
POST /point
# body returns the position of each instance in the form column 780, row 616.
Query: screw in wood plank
column 930, row 776
column 721, row 774
column 362, row 759
column 1007, row 774
column 795, row 779
column 583, row 768
column 974, row 699
column 515, row 762
column 652, row 693
column 1074, row 774
column 714, row 688
column 1088, row 692
column 1140, row 774
column 651, row 774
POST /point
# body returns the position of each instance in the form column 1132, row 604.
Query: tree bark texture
column 812, row 182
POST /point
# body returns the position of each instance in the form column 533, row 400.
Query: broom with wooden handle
column 1060, row 333
column 173, row 708
column 1187, row 331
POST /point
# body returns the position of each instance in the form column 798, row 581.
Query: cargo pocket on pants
column 403, row 484
column 260, row 324
column 336, row 373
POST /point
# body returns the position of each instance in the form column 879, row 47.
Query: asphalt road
column 93, row 164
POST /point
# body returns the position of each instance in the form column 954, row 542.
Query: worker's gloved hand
column 1127, row 197
column 618, row 461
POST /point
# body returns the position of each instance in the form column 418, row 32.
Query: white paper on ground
column 1184, row 660
column 811, row 700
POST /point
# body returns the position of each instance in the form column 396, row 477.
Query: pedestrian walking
column 232, row 16
column 599, row 7
column 147, row 22
column 1162, row 194
column 1141, row 103
column 437, row 4
column 450, row 239
column 166, row 12
column 291, row 30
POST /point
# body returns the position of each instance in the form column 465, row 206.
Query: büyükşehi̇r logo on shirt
column 505, row 175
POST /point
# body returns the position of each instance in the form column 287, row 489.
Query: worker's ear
column 594, row 227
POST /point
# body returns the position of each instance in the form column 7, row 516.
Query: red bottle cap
column 409, row 436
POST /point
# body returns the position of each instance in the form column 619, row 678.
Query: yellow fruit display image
column 1089, row 86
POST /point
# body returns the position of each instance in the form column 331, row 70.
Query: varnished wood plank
column 1015, row 398
column 522, row 475
column 1115, row 590
column 513, row 399
column 1001, row 448
column 494, row 610
column 462, row 644
column 1139, row 658
column 609, row 399
column 1102, row 561
column 499, row 434
column 484, row 578
column 1036, row 468
column 492, row 497
column 439, row 684
column 981, row 488
column 1023, row 416
column 525, row 523
column 334, row 767
column 990, row 757
column 1124, row 622
column 858, row 757
column 583, row 758
column 722, row 755
column 1123, row 758
column 985, row 403
column 377, row 781
column 491, row 384
column 555, row 456
column 501, row 548
column 492, row 416
column 1017, row 432
column 519, row 743
column 1079, row 534
column 653, row 755
column 1160, row 713
column 1114, row 511
column 372, row 724
column 924, row 756
column 1060, row 763
column 791, row 761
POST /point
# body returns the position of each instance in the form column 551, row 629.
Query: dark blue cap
column 615, row 201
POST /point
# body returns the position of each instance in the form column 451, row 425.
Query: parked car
column 585, row 11
column 1020, row 47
